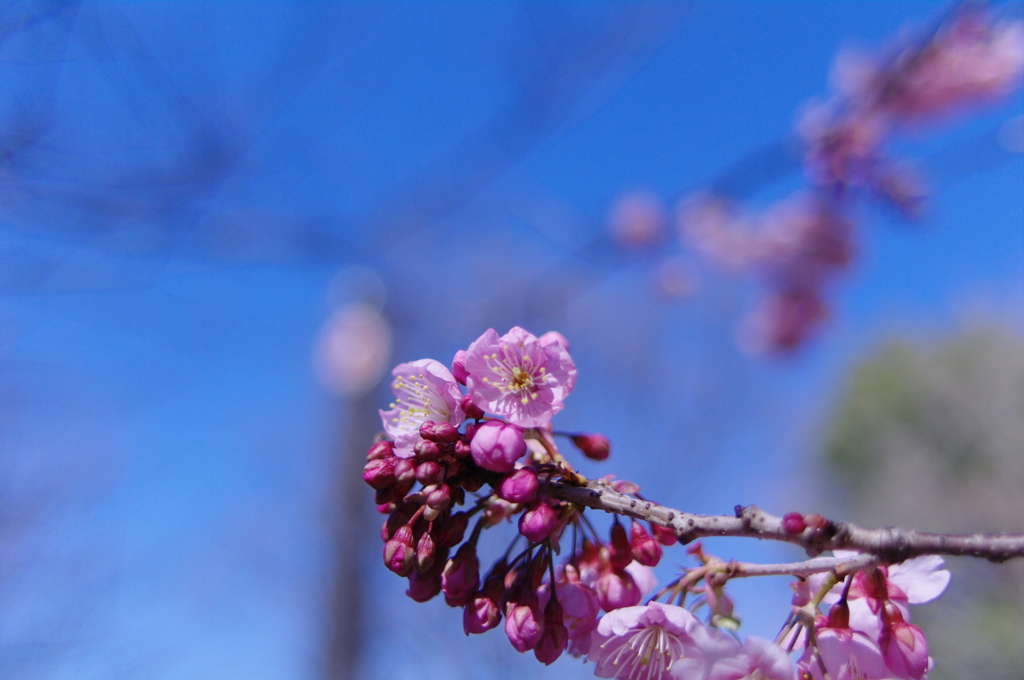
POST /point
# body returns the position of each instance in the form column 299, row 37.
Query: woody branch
column 890, row 544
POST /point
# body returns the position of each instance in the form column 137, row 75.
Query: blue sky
column 202, row 174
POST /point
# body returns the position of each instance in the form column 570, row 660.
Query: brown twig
column 891, row 544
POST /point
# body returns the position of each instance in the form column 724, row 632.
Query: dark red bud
column 381, row 449
column 398, row 552
column 427, row 450
column 452, row 530
column 442, row 433
column 793, row 523
column 620, row 553
column 405, row 471
column 472, row 411
column 461, row 448
column 429, row 472
column 425, row 550
column 392, row 493
column 380, row 472
column 593, row 446
column 439, row 497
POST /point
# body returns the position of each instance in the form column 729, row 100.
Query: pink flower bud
column 461, row 576
column 427, row 450
column 388, row 494
column 496, row 446
column 519, row 486
column 644, row 549
column 482, row 612
column 497, row 511
column 593, row 446
column 441, row 433
column 381, row 449
column 425, row 550
column 537, row 523
column 663, row 535
column 398, row 552
column 616, row 589
column 524, row 622
column 620, row 553
column 439, row 496
column 405, row 471
column 793, row 523
column 580, row 607
column 380, row 472
column 429, row 472
column 472, row 411
column 452, row 530
column 426, row 586
column 459, row 368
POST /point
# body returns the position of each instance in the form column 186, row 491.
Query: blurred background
column 221, row 223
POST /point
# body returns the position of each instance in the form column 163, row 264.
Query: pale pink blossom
column 424, row 390
column 904, row 647
column 650, row 642
column 757, row 660
column 518, row 377
column 847, row 654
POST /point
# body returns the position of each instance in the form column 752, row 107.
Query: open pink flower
column 652, row 642
column 518, row 377
column 424, row 390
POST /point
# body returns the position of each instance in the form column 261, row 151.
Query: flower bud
column 425, row 551
column 392, row 493
column 483, row 612
column 593, row 446
column 537, row 523
column 439, row 496
column 497, row 511
column 793, row 523
column 429, row 472
column 452, row 530
column 663, row 535
column 903, row 645
column 519, row 486
column 620, row 553
column 496, row 446
column 441, row 433
column 615, row 589
column 427, row 450
column 459, row 367
column 381, row 449
column 380, row 472
column 472, row 411
column 398, row 552
column 644, row 549
column 555, row 636
column 398, row 518
column 461, row 576
column 405, row 471
column 426, row 586
column 524, row 622
column 461, row 449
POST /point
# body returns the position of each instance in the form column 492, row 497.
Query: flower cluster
column 480, row 436
column 495, row 440
column 798, row 246
column 867, row 632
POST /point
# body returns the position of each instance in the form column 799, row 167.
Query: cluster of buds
column 799, row 245
column 492, row 449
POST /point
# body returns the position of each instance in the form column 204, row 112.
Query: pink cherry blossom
column 424, row 390
column 847, row 654
column 650, row 642
column 758, row 659
column 904, row 647
column 518, row 377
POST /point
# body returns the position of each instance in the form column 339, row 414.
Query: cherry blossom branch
column 891, row 544
column 842, row 566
